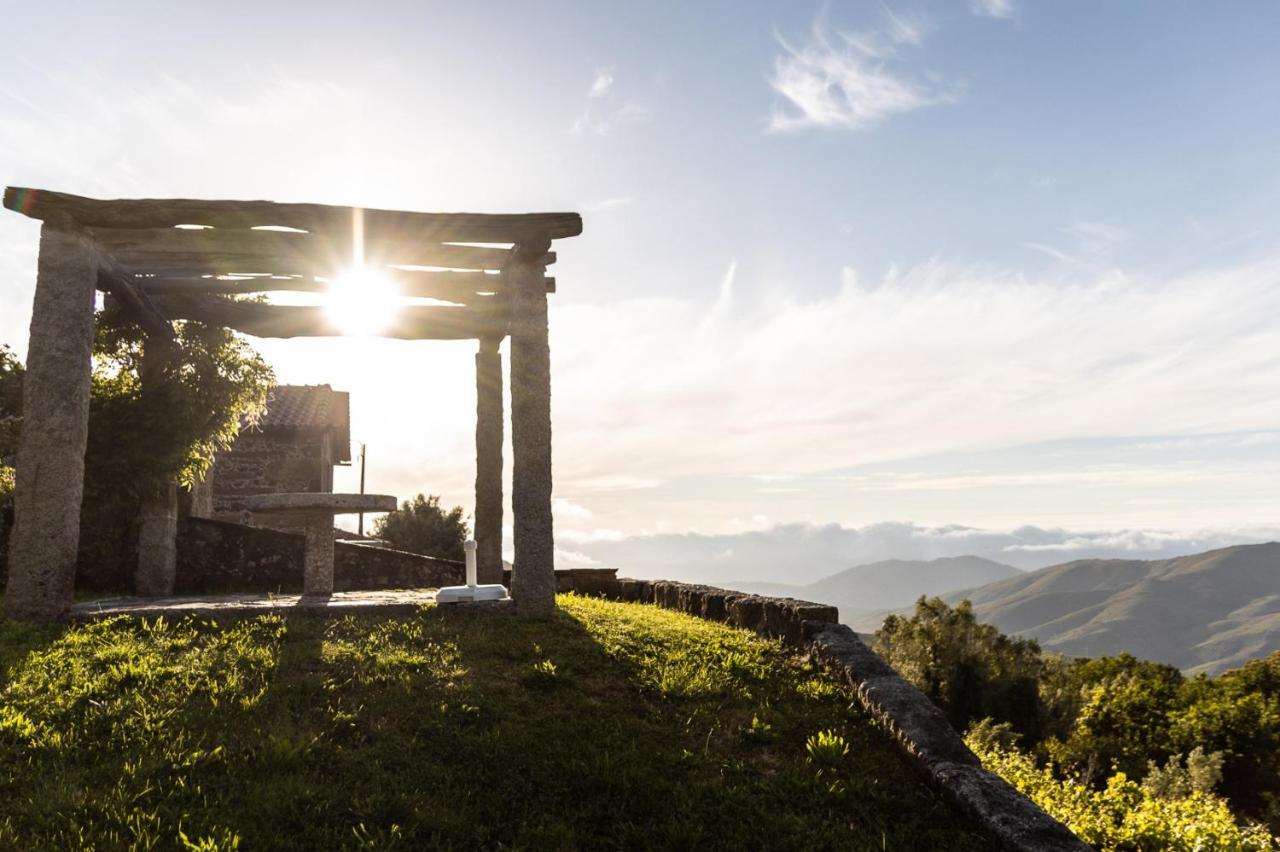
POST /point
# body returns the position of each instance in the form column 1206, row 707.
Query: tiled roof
column 311, row 407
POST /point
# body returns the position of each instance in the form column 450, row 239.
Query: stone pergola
column 487, row 273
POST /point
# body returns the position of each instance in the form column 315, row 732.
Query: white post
column 470, row 548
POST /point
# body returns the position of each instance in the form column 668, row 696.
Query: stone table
column 316, row 511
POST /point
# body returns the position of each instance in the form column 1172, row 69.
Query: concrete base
column 470, row 594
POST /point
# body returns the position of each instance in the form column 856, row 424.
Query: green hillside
column 611, row 726
column 1203, row 613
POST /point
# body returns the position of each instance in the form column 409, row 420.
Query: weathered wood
column 462, row 287
column 533, row 575
column 167, row 212
column 135, row 303
column 145, row 249
column 409, row 323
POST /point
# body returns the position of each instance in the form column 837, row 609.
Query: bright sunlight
column 361, row 302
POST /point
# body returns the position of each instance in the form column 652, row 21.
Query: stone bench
column 316, row 511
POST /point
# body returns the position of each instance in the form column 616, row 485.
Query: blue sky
column 990, row 264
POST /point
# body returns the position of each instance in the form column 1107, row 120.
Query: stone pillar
column 317, row 576
column 55, row 427
column 533, row 581
column 158, row 509
column 157, row 541
column 488, row 518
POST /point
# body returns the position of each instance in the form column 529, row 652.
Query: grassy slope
column 448, row 730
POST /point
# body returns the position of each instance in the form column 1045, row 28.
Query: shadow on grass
column 609, row 726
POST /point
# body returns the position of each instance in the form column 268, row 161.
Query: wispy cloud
column 852, row 81
column 603, row 112
column 606, row 204
column 993, row 8
column 934, row 358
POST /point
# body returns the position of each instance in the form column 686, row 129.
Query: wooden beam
column 253, row 318
column 330, row 220
column 448, row 286
column 135, row 303
column 277, row 251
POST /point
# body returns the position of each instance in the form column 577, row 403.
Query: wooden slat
column 449, row 286
column 141, row 248
column 412, row 323
column 163, row 213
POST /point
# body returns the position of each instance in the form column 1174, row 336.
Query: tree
column 156, row 415
column 969, row 669
column 11, row 372
column 421, row 526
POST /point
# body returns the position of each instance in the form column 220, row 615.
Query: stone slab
column 310, row 502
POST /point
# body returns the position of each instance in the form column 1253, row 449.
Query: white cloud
column 604, row 112
column 848, row 80
column 606, row 204
column 602, row 83
column 993, row 8
column 803, row 553
column 931, row 359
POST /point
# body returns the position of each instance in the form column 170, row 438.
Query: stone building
column 304, row 434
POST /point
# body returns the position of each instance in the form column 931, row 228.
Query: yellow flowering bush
column 1123, row 815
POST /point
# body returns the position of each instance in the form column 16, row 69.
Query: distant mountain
column 1203, row 613
column 865, row 592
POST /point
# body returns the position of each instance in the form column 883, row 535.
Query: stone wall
column 913, row 720
column 222, row 557
column 268, row 462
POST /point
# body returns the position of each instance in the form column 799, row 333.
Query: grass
column 611, row 726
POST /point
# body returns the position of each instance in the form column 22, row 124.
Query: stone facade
column 304, row 433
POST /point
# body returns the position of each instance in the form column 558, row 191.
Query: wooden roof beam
column 259, row 320
column 164, row 213
column 449, row 286
column 141, row 248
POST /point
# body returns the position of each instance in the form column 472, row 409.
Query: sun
column 361, row 303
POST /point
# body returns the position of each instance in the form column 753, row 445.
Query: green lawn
column 612, row 726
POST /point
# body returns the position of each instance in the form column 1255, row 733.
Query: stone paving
column 383, row 602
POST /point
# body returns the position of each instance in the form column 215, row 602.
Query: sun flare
column 361, row 302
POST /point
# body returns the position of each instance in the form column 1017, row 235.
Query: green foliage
column 419, row 732
column 1092, row 718
column 1201, row 774
column 421, row 526
column 1122, row 814
column 11, row 373
column 969, row 669
column 195, row 399
column 1117, row 715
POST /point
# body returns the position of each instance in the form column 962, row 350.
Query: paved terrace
column 388, row 602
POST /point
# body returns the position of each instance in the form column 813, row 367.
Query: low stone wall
column 911, row 718
column 584, row 581
column 219, row 557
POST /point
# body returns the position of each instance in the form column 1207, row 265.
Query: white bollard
column 470, row 548
column 471, row 591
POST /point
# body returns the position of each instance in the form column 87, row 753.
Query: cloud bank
column 798, row 554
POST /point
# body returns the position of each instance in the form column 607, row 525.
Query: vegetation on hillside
column 421, row 526
column 610, row 726
column 1102, row 730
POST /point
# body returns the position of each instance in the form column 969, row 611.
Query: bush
column 1125, row 815
column 421, row 526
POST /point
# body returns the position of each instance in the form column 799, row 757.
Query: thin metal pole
column 360, row 527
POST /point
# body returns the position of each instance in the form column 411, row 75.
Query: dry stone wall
column 913, row 720
column 218, row 557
